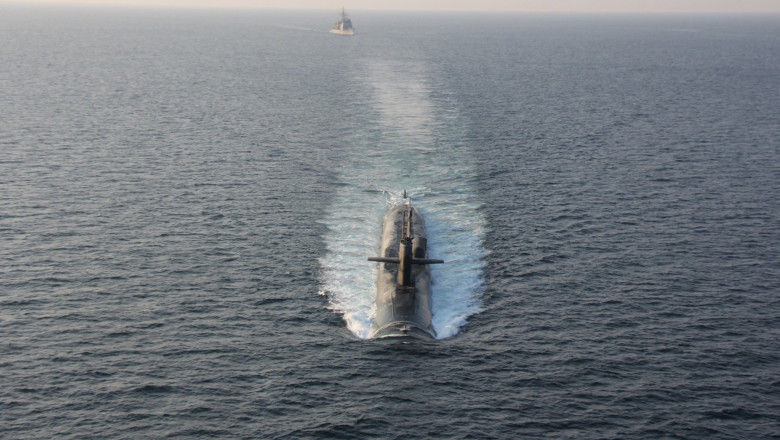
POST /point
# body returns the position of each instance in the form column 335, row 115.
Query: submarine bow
column 403, row 300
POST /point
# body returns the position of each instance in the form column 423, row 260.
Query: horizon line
column 243, row 6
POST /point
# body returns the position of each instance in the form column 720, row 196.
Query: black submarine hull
column 403, row 299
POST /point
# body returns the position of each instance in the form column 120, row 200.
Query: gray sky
column 465, row 5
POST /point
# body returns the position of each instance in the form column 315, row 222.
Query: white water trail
column 411, row 142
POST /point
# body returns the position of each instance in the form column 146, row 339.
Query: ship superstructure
column 343, row 26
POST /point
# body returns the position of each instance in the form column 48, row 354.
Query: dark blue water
column 187, row 199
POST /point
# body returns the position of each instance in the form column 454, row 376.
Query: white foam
column 421, row 150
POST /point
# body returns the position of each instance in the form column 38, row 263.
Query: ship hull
column 341, row 32
column 403, row 310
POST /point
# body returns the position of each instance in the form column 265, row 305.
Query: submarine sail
column 403, row 300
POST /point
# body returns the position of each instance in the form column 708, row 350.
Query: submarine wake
column 422, row 150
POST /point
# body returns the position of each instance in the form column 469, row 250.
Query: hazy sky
column 466, row 5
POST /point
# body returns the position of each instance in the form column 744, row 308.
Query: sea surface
column 188, row 198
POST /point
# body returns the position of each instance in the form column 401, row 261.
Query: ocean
column 188, row 198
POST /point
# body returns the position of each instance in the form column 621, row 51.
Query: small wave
column 154, row 389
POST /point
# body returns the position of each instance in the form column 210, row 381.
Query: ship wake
column 417, row 145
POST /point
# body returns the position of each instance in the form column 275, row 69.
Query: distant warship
column 343, row 26
column 403, row 291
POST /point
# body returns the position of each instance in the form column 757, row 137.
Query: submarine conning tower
column 412, row 250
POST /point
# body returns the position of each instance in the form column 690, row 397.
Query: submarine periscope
column 403, row 298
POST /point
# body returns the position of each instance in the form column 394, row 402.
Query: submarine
column 403, row 291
